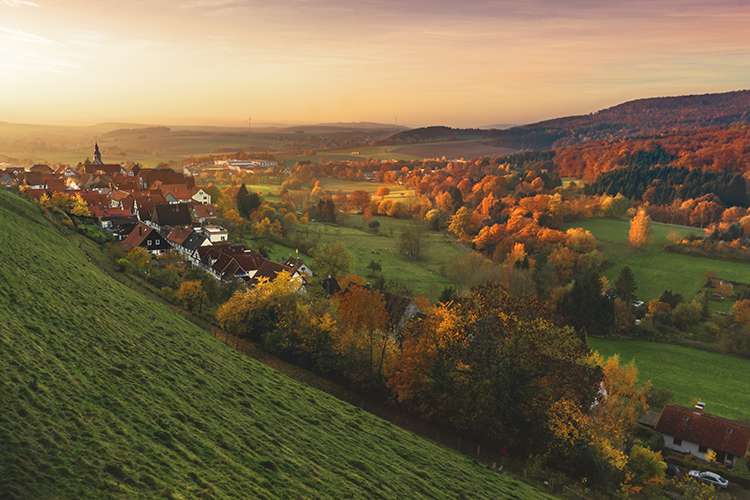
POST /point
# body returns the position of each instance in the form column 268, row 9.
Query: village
column 166, row 213
column 159, row 210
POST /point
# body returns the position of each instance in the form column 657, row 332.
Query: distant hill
column 106, row 394
column 322, row 128
column 642, row 117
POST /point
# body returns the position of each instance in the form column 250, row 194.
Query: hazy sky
column 468, row 62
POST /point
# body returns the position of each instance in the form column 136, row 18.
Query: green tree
column 625, row 286
column 586, row 308
column 247, row 202
column 410, row 243
column 331, row 259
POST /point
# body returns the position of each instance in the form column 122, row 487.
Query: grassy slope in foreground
column 718, row 379
column 104, row 393
column 656, row 269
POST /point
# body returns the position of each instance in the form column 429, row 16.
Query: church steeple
column 97, row 155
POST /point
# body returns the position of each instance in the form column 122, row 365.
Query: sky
column 416, row 62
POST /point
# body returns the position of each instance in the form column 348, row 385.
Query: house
column 298, row 266
column 119, row 226
column 146, row 237
column 235, row 262
column 692, row 431
column 41, row 168
column 215, row 234
column 180, row 193
column 203, row 213
column 154, row 178
column 187, row 241
column 144, row 205
column 191, row 245
column 35, row 180
column 169, row 216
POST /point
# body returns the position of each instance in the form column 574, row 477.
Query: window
column 158, row 242
column 677, row 442
column 150, row 242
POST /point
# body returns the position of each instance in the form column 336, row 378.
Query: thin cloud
column 19, row 3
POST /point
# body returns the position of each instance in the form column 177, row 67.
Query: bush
column 122, row 265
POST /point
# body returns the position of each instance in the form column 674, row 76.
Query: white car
column 711, row 478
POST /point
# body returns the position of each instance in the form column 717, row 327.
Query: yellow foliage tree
column 191, row 295
column 640, row 229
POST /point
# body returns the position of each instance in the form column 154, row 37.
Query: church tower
column 97, row 155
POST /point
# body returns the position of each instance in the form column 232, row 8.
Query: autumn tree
column 139, row 259
column 489, row 364
column 191, row 295
column 640, row 229
column 79, row 207
column 362, row 333
column 460, row 223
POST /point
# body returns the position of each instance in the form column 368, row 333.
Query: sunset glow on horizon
column 469, row 63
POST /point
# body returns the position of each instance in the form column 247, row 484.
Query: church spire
column 97, row 155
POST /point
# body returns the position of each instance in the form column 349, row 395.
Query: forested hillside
column 642, row 117
column 107, row 394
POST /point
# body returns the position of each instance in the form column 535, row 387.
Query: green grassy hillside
column 718, row 379
column 656, row 269
column 105, row 394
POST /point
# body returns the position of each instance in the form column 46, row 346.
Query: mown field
column 656, row 269
column 721, row 381
column 423, row 276
column 107, row 394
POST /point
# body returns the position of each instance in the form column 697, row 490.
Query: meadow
column 691, row 374
column 423, row 276
column 107, row 394
column 655, row 268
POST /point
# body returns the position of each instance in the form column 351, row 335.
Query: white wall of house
column 691, row 448
column 202, row 197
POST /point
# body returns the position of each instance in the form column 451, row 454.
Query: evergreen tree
column 247, row 202
column 625, row 286
column 586, row 308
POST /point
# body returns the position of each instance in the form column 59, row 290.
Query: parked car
column 711, row 478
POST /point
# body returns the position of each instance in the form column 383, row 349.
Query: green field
column 423, row 276
column 107, row 394
column 719, row 380
column 654, row 268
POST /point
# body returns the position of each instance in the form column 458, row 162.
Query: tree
column 586, row 308
column 247, row 203
column 645, row 473
column 362, row 331
column 625, row 286
column 460, row 223
column 191, row 295
column 79, row 207
column 640, row 229
column 140, row 259
column 410, row 243
column 331, row 259
column 686, row 314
